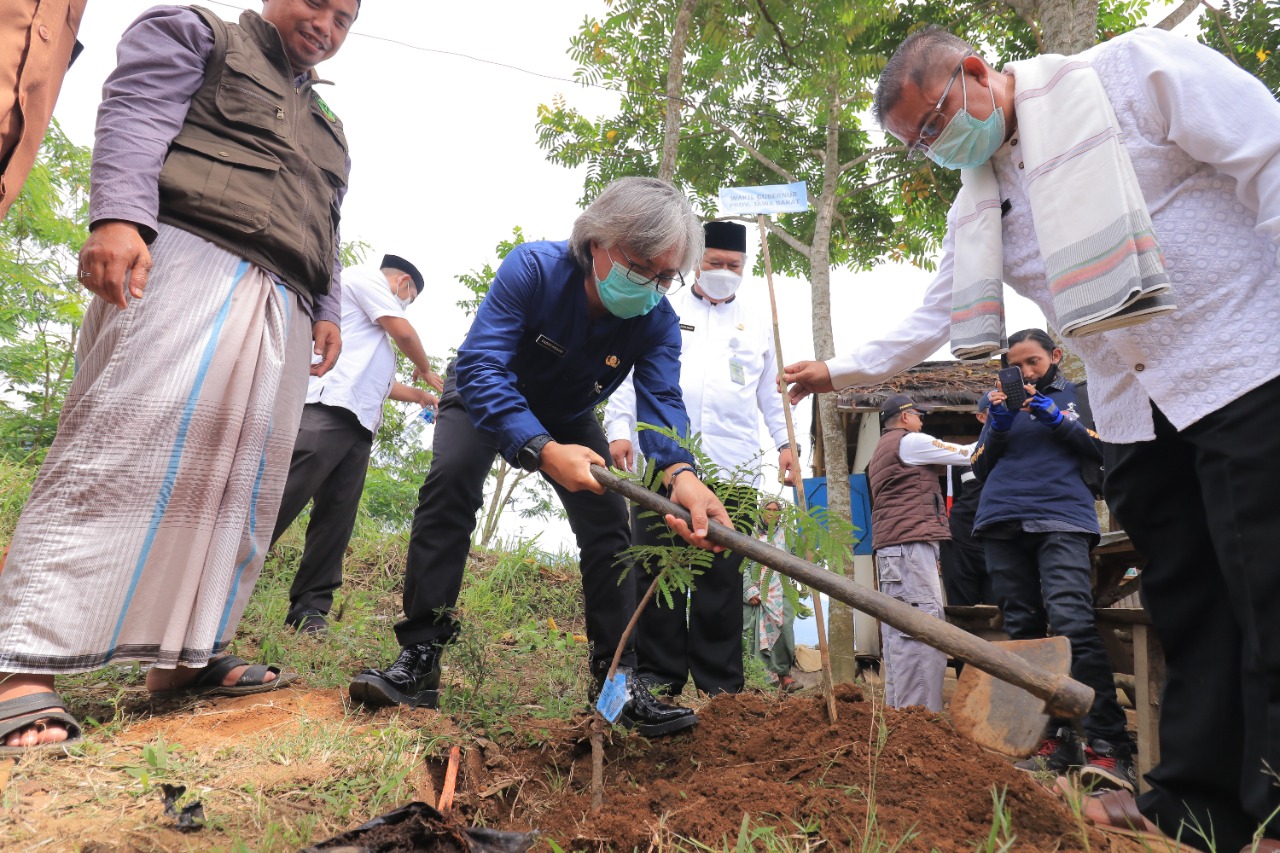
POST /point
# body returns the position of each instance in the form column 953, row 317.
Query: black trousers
column 446, row 516
column 964, row 572
column 1201, row 505
column 701, row 634
column 1042, row 582
column 330, row 460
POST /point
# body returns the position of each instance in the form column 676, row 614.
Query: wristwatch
column 529, row 457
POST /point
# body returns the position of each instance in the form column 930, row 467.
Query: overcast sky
column 445, row 160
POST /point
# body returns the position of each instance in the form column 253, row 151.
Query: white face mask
column 719, row 284
column 406, row 300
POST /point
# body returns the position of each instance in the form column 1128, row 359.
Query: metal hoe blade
column 1003, row 716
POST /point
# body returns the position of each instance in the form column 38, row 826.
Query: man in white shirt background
column 908, row 523
column 728, row 378
column 1184, row 401
column 341, row 417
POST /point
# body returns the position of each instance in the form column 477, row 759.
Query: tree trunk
column 675, row 82
column 1068, row 26
column 844, row 667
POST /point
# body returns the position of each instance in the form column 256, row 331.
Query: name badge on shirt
column 737, row 372
column 548, row 344
column 686, row 327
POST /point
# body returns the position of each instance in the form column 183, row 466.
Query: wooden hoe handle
column 1062, row 696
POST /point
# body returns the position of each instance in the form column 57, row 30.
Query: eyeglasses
column 664, row 283
column 937, row 119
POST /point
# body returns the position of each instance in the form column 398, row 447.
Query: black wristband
column 671, row 478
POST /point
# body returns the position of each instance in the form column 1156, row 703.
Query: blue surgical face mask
column 966, row 142
column 623, row 297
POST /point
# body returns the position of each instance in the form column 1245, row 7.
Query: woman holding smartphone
column 1038, row 523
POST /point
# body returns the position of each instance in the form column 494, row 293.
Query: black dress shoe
column 413, row 680
column 643, row 713
column 312, row 622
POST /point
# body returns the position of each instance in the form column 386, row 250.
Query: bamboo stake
column 597, row 721
column 828, row 685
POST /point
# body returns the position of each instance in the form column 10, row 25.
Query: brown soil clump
column 883, row 776
column 779, row 761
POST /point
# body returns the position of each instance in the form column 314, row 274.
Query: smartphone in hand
column 1010, row 379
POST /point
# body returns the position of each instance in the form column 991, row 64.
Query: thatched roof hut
column 950, row 388
column 944, row 385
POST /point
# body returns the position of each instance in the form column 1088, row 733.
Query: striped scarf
column 1103, row 263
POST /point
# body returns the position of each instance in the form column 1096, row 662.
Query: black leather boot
column 643, row 713
column 413, row 680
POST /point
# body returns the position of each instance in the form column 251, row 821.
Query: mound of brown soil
column 778, row 761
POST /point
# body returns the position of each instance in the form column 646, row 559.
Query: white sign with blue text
column 774, row 198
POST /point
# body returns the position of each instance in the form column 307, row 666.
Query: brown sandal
column 209, row 682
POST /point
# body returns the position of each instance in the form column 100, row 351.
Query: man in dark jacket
column 560, row 328
column 1038, row 523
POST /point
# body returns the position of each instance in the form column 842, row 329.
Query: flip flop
column 17, row 714
column 209, row 682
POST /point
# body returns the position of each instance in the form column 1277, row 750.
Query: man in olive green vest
column 218, row 174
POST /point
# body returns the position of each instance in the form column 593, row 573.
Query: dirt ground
column 774, row 758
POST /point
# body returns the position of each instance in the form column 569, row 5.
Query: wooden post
column 828, row 686
column 1148, row 672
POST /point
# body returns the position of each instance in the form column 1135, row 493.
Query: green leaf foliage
column 478, row 280
column 1248, row 33
column 41, row 303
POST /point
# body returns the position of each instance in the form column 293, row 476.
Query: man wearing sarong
column 1133, row 193
column 218, row 173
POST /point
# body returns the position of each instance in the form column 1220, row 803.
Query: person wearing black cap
column 728, row 372
column 908, row 521
column 342, row 415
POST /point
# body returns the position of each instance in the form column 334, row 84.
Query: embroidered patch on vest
column 324, row 108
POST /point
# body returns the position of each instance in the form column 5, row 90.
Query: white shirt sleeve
column 917, row 448
column 367, row 287
column 770, row 400
column 620, row 412
column 912, row 341
column 1217, row 113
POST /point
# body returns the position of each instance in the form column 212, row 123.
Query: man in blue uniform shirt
column 562, row 325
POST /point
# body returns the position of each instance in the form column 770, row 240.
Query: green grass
column 518, row 658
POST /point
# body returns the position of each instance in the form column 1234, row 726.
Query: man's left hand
column 787, row 468
column 703, row 505
column 328, row 344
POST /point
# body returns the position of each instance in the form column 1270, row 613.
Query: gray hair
column 648, row 215
column 918, row 59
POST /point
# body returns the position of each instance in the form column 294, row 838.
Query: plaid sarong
column 1103, row 263
column 148, row 523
